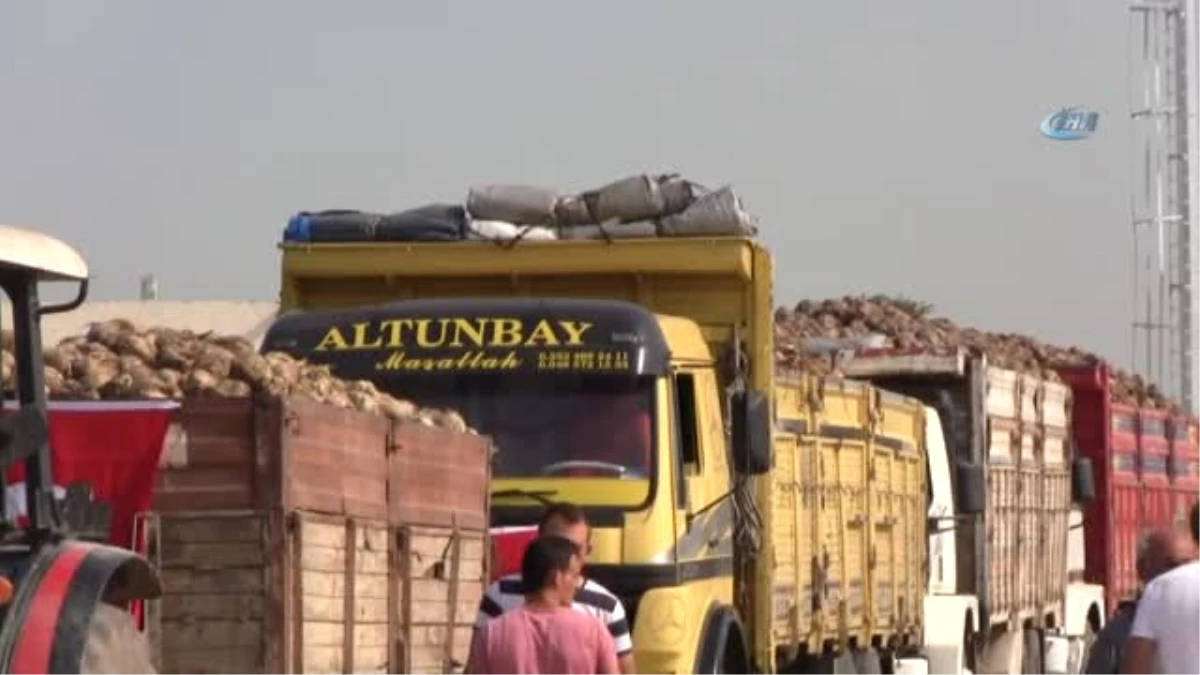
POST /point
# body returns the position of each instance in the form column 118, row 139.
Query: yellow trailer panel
column 848, row 518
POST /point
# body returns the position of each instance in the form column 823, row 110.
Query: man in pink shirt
column 544, row 635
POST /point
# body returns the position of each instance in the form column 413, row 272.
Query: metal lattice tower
column 1162, row 204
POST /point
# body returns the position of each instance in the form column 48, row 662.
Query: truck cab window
column 685, row 407
column 562, row 426
column 687, row 452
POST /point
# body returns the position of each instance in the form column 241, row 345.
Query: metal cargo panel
column 1029, row 510
column 848, row 517
column 1185, row 450
column 1126, row 500
column 1029, row 494
column 792, row 532
column 1107, row 433
column 1154, row 450
column 1185, row 466
column 898, row 513
column 843, row 509
column 1053, row 450
column 1004, row 489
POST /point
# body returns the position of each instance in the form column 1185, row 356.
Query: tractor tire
column 114, row 644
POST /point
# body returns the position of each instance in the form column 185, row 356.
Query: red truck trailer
column 1185, row 464
column 1107, row 432
column 1154, row 451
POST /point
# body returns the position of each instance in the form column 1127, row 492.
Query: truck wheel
column 972, row 646
column 723, row 647
column 114, row 644
column 1082, row 648
column 1033, row 656
column 867, row 662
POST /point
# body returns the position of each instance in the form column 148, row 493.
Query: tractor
column 63, row 598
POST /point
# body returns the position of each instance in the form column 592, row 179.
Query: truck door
column 702, row 468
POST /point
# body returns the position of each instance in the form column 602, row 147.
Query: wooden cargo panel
column 341, row 595
column 269, row 453
column 440, row 579
column 330, row 595
column 213, row 615
column 438, row 478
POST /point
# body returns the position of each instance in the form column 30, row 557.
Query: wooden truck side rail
column 292, row 538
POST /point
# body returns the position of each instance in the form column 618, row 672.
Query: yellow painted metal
column 849, row 518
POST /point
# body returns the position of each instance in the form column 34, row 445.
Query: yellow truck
column 750, row 519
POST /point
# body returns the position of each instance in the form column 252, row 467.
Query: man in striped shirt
column 506, row 593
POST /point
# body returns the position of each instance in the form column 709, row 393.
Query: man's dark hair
column 543, row 557
column 564, row 511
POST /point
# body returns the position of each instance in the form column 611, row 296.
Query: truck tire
column 1082, row 648
column 867, row 661
column 723, row 646
column 115, row 645
column 1033, row 655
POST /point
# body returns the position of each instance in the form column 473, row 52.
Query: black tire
column 1033, row 652
column 973, row 644
column 723, row 645
column 868, row 661
column 1085, row 646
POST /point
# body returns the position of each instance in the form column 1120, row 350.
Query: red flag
column 112, row 445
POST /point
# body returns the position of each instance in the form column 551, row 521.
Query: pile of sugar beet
column 909, row 324
column 116, row 360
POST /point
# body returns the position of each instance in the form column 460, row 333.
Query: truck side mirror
column 972, row 489
column 752, row 440
column 1083, row 481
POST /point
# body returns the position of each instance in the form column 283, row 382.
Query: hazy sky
column 887, row 146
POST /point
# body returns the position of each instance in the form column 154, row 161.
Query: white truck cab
column 951, row 620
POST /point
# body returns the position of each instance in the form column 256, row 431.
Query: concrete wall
column 249, row 319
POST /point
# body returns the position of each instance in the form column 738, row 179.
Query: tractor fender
column 49, row 623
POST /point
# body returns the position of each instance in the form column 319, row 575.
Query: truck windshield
column 558, row 426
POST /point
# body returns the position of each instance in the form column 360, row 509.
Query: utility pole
column 1163, row 37
column 1191, row 169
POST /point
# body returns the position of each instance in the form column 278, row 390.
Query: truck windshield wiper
column 542, row 496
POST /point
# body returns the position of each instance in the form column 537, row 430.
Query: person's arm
column 618, row 629
column 489, row 608
column 1140, row 656
column 477, row 658
column 606, row 652
column 1104, row 657
column 1141, row 650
